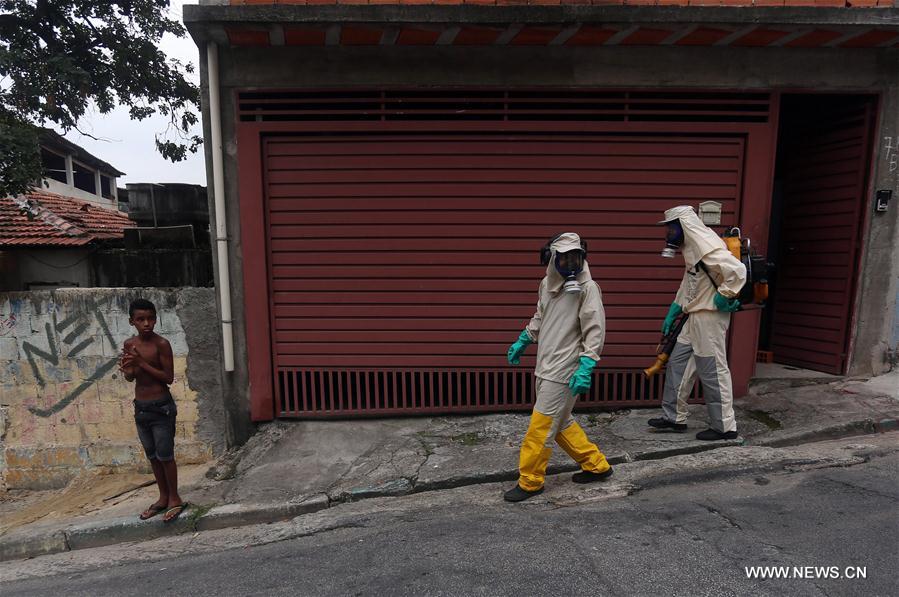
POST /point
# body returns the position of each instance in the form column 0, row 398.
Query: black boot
column 711, row 435
column 663, row 423
column 517, row 494
column 591, row 477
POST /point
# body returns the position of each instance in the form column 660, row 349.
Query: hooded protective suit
column 566, row 327
column 704, row 336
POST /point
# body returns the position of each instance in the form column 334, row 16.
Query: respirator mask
column 569, row 265
column 674, row 238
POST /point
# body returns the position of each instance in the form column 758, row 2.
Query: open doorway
column 817, row 214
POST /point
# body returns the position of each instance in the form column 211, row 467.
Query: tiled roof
column 42, row 219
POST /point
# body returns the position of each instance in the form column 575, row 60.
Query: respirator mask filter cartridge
column 674, row 238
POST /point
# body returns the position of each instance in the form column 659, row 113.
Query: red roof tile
column 50, row 220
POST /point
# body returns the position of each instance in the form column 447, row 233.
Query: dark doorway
column 816, row 222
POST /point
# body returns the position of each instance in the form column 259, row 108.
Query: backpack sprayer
column 752, row 296
column 754, row 293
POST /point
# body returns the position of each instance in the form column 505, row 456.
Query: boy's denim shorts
column 155, row 420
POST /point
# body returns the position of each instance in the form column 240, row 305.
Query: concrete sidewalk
column 291, row 468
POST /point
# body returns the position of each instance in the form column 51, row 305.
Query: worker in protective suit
column 569, row 329
column 707, row 294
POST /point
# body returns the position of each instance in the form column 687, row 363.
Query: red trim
column 645, row 36
column 759, row 38
column 411, row 36
column 591, row 36
column 703, row 36
column 814, row 39
column 247, row 37
column 535, row 36
column 304, row 36
column 476, row 36
column 755, row 218
column 255, row 278
column 352, row 35
column 870, row 39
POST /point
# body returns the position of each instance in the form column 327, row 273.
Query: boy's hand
column 126, row 364
column 132, row 358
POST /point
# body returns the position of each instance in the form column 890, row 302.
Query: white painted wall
column 53, row 186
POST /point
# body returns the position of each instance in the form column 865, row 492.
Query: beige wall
column 64, row 407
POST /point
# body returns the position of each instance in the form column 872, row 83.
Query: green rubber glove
column 673, row 311
column 517, row 349
column 725, row 304
column 580, row 381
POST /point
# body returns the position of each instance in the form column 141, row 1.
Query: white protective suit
column 565, row 326
column 704, row 336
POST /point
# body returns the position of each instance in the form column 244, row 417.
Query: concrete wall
column 61, row 188
column 45, row 268
column 682, row 68
column 895, row 339
column 64, row 407
column 877, row 295
column 170, row 204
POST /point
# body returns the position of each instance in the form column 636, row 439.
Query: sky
column 129, row 145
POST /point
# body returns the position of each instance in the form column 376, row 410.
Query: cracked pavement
column 332, row 464
column 645, row 532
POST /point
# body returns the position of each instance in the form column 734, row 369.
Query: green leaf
column 57, row 57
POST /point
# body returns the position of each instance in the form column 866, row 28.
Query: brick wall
column 766, row 3
column 65, row 408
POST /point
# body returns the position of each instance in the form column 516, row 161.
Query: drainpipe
column 218, row 191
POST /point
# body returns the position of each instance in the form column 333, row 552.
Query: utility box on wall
column 710, row 213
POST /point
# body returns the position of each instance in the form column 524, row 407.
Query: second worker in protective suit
column 707, row 294
column 569, row 329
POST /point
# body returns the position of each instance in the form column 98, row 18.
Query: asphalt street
column 694, row 539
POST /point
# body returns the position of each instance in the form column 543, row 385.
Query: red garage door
column 401, row 266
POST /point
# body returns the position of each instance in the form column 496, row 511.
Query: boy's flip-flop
column 180, row 508
column 152, row 511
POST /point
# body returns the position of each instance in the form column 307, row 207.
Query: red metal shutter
column 824, row 169
column 403, row 265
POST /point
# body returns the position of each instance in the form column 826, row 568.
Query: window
column 106, row 186
column 84, row 178
column 54, row 165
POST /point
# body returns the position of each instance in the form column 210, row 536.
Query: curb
column 128, row 529
column 837, row 431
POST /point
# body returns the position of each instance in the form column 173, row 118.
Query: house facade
column 383, row 177
column 73, row 172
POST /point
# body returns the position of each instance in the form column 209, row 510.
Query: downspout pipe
column 218, row 191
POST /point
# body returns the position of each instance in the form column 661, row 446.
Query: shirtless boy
column 146, row 359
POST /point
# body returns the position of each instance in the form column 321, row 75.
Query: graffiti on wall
column 7, row 324
column 72, row 342
column 891, row 154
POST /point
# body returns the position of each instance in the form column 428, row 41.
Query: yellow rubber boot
column 574, row 441
column 534, row 455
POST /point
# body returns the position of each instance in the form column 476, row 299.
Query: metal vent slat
column 326, row 393
column 499, row 105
